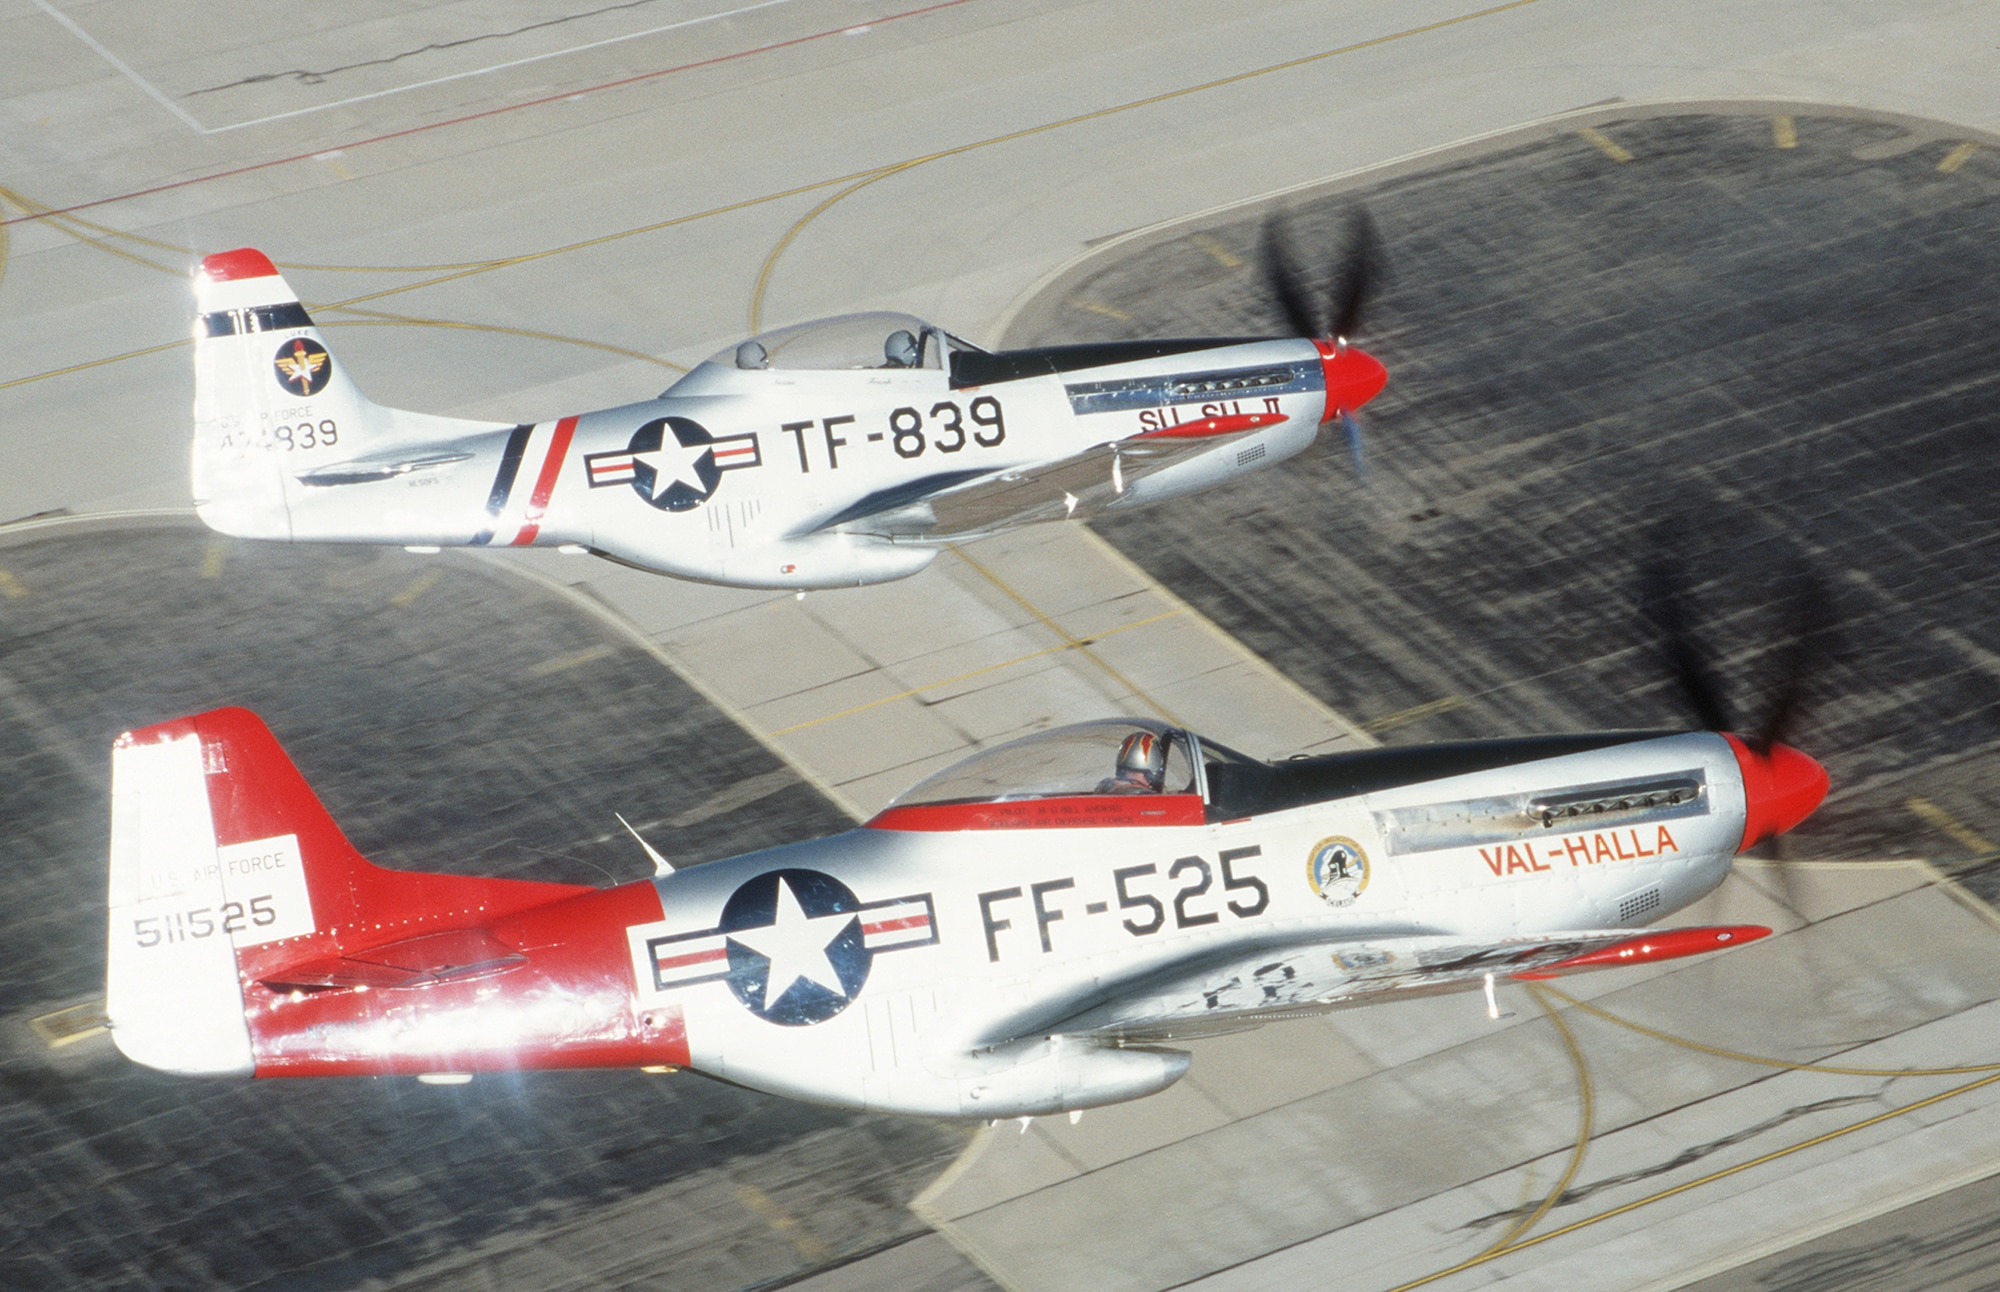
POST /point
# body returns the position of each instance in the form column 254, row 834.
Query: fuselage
column 927, row 958
column 800, row 479
column 813, row 451
column 839, row 452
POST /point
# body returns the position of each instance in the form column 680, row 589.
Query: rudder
column 227, row 871
column 279, row 424
column 265, row 386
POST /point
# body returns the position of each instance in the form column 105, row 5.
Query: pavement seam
column 1657, row 1115
column 1306, row 699
column 925, row 1206
column 560, row 97
column 1686, row 1186
column 1859, row 1215
column 1069, row 640
column 916, row 691
column 591, row 602
column 856, row 180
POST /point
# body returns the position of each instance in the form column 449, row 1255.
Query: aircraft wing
column 1240, row 990
column 957, row 504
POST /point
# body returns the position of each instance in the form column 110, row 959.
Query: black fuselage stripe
column 503, row 482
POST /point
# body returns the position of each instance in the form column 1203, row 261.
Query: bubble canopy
column 848, row 342
column 1068, row 762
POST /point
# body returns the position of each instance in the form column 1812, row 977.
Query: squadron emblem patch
column 1337, row 869
column 303, row 365
column 673, row 462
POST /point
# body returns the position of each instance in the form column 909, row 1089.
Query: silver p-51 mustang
column 829, row 454
column 1024, row 933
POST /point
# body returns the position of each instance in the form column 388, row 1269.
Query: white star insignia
column 796, row 944
column 673, row 463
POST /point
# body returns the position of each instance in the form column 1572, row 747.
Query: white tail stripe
column 171, row 988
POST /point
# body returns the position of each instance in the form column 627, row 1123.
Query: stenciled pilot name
column 1626, row 843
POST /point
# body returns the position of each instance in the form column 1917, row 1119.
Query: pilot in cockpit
column 901, row 350
column 1141, row 766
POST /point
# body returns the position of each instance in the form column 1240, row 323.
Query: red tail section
column 343, row 966
column 257, row 797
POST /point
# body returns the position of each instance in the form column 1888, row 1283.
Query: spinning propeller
column 1352, row 376
column 1781, row 785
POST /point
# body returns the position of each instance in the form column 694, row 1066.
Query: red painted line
column 1207, row 426
column 491, row 112
column 1080, row 811
column 1660, row 944
column 694, row 958
column 545, row 483
column 891, row 926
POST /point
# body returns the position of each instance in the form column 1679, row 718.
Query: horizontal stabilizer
column 279, row 421
column 227, row 872
column 435, row 957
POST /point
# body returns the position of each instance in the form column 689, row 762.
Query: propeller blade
column 1361, row 266
column 1809, row 618
column 1663, row 603
column 1283, row 276
column 1352, row 429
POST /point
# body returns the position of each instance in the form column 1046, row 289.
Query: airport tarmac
column 453, row 718
column 1681, row 376
column 582, row 206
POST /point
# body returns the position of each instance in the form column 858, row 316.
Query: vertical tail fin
column 265, row 387
column 272, row 406
column 171, row 987
column 226, row 871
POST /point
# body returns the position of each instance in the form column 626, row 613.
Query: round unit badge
column 303, row 366
column 1337, row 870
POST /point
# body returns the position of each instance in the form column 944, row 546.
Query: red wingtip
column 1661, row 944
column 231, row 266
column 1780, row 789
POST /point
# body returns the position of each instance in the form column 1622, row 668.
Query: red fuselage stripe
column 892, row 926
column 1081, row 811
column 694, row 958
column 545, row 483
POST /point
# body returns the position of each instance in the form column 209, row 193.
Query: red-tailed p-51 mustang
column 829, row 454
column 1020, row 934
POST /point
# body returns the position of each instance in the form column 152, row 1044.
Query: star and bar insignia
column 673, row 462
column 794, row 946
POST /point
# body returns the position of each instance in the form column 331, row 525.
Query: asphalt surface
column 455, row 718
column 1939, row 1245
column 1675, row 343
column 1746, row 358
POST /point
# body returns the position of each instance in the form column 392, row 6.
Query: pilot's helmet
column 751, row 354
column 901, row 349
column 1143, row 754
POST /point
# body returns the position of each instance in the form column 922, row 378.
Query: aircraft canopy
column 1065, row 763
column 876, row 340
